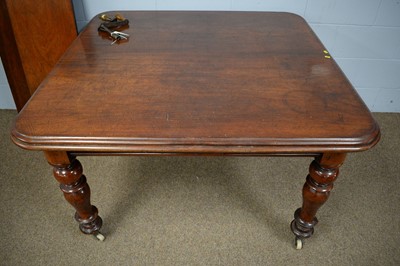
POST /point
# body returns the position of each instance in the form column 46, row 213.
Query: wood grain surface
column 198, row 82
column 33, row 37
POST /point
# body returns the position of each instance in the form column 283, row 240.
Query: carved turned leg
column 323, row 172
column 68, row 171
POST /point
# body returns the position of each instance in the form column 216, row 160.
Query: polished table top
column 199, row 82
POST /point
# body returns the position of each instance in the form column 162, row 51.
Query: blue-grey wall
column 6, row 100
column 362, row 35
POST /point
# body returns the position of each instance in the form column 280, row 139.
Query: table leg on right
column 322, row 173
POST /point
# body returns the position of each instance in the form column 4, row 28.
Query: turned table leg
column 68, row 172
column 322, row 173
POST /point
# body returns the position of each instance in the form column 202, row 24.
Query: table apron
column 312, row 154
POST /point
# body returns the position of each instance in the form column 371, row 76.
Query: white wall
column 6, row 99
column 362, row 35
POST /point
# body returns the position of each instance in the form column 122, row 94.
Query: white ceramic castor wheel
column 298, row 243
column 99, row 236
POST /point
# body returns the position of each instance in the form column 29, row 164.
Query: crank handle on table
column 114, row 34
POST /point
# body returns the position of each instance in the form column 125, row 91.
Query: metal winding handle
column 104, row 28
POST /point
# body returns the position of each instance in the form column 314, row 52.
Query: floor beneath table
column 201, row 210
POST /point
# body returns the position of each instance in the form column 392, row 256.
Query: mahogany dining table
column 197, row 83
